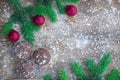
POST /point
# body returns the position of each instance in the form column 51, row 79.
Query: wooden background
column 94, row 31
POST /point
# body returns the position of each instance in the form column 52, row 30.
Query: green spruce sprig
column 48, row 77
column 62, row 75
column 78, row 70
column 22, row 16
column 114, row 75
column 60, row 3
column 96, row 71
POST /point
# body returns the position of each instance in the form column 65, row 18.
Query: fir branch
column 71, row 1
column 48, row 77
column 48, row 3
column 92, row 67
column 62, row 75
column 16, row 4
column 114, row 75
column 60, row 6
column 28, row 29
column 97, row 77
column 93, row 75
column 21, row 15
column 29, row 10
column 39, row 2
column 44, row 11
column 39, row 10
column 78, row 71
column 7, row 28
column 44, row 2
column 51, row 14
column 104, row 63
column 15, row 17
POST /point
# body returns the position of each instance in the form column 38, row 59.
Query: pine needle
column 45, row 11
column 114, row 75
column 62, row 75
column 104, row 63
column 71, row 1
column 16, row 4
column 22, row 16
column 7, row 28
column 28, row 30
column 60, row 6
column 15, row 17
column 92, row 67
column 39, row 2
column 48, row 77
column 39, row 10
column 78, row 71
column 94, row 74
column 48, row 3
column 51, row 14
column 29, row 10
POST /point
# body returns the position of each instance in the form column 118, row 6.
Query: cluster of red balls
column 14, row 36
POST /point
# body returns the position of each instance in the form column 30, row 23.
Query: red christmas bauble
column 71, row 10
column 13, row 36
column 39, row 20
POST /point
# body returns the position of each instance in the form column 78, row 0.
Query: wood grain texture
column 94, row 31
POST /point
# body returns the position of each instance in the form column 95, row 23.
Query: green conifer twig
column 8, row 27
column 96, row 74
column 92, row 67
column 48, row 77
column 71, row 1
column 62, row 75
column 104, row 63
column 22, row 15
column 78, row 70
column 114, row 75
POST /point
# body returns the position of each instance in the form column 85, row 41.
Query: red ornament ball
column 39, row 20
column 71, row 10
column 13, row 36
column 26, row 69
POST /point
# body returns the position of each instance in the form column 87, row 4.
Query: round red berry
column 71, row 10
column 13, row 36
column 39, row 20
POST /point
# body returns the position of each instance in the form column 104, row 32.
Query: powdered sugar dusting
column 89, row 34
column 110, row 1
column 94, row 31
